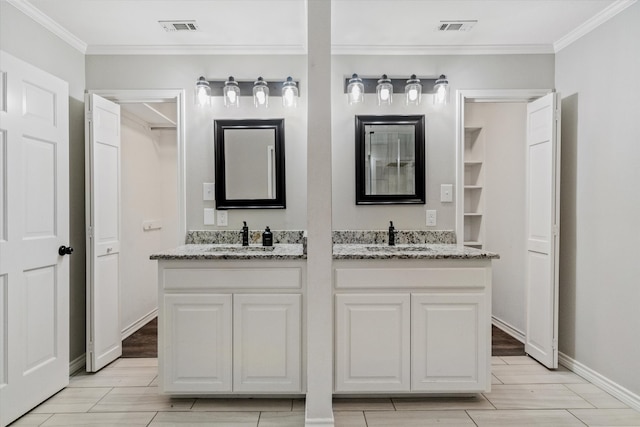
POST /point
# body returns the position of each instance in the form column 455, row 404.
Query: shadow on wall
column 568, row 194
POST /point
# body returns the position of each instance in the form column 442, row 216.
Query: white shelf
column 473, row 162
column 472, row 243
column 473, row 214
column 473, row 185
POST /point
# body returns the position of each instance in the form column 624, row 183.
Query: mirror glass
column 390, row 159
column 249, row 164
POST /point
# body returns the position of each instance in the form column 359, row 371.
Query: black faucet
column 392, row 234
column 245, row 234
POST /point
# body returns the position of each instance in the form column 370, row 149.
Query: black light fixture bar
column 370, row 84
column 246, row 87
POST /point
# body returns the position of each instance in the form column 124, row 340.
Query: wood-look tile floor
column 524, row 393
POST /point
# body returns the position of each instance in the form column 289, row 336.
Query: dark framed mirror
column 249, row 161
column 390, row 160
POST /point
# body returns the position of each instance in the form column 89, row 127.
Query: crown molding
column 605, row 14
column 36, row 14
column 195, row 50
column 442, row 49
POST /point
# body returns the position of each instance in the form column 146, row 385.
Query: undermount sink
column 240, row 248
column 397, row 248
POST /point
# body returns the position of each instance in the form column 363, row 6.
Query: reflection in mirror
column 390, row 159
column 249, row 162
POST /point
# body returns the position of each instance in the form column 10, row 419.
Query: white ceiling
column 358, row 26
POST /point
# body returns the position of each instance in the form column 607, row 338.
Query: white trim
column 498, row 49
column 37, row 15
column 591, row 24
column 77, row 364
column 482, row 95
column 131, row 329
column 616, row 390
column 507, row 328
column 150, row 95
column 196, row 50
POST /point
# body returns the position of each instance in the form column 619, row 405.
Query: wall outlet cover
column 446, row 193
column 223, row 219
column 431, row 218
column 208, row 191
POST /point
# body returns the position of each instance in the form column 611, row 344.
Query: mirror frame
column 222, row 202
column 417, row 121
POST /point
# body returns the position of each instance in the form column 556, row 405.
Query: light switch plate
column 431, row 218
column 222, row 218
column 208, row 191
column 446, row 193
column 209, row 216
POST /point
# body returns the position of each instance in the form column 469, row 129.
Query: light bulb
column 384, row 94
column 355, row 94
column 288, row 96
column 203, row 96
column 413, row 94
column 232, row 97
column 260, row 96
column 441, row 94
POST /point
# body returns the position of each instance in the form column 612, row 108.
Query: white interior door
column 542, row 229
column 34, row 224
column 102, row 150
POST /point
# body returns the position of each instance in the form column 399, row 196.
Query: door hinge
column 557, row 115
column 554, row 344
column 556, row 230
column 89, row 115
column 90, row 232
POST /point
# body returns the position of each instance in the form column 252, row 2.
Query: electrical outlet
column 222, row 218
column 431, row 218
column 209, row 216
column 208, row 191
column 446, row 193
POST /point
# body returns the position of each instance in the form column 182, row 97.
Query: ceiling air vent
column 171, row 26
column 460, row 25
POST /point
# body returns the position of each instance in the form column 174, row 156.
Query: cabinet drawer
column 361, row 278
column 233, row 278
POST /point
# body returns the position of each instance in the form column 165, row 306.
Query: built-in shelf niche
column 473, row 186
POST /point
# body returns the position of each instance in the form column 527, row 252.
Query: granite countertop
column 231, row 251
column 409, row 251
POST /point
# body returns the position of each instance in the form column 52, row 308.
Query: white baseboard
column 77, row 363
column 504, row 326
column 129, row 330
column 616, row 390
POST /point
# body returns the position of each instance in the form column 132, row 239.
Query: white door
column 267, row 349
column 542, row 229
column 102, row 170
column 34, row 224
column 372, row 342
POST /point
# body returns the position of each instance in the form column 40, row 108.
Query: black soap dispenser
column 392, row 234
column 267, row 237
column 245, row 234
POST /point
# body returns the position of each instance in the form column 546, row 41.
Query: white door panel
column 34, row 223
column 542, row 229
column 102, row 127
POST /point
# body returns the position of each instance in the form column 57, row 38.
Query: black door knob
column 65, row 250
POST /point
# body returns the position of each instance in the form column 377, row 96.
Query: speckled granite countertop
column 231, row 251
column 412, row 251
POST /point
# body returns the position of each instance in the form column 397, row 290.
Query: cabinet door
column 449, row 339
column 197, row 343
column 267, row 342
column 372, row 342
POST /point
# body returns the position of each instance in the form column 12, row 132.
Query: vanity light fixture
column 260, row 93
column 203, row 93
column 289, row 93
column 231, row 93
column 355, row 90
column 384, row 91
column 413, row 91
column 441, row 91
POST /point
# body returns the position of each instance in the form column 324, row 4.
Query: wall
column 27, row 40
column 463, row 72
column 597, row 77
column 504, row 128
column 149, row 192
column 181, row 72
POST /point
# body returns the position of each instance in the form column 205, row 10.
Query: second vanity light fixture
column 385, row 87
column 231, row 89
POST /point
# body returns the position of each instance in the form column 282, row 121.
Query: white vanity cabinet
column 412, row 326
column 228, row 327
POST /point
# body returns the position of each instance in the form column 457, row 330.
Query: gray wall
column 27, row 40
column 597, row 77
column 181, row 72
column 463, row 72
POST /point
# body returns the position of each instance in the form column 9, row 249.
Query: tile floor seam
column 152, row 418
column 466, row 411
column 98, row 401
column 576, row 417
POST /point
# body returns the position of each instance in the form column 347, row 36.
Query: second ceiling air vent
column 459, row 25
column 171, row 26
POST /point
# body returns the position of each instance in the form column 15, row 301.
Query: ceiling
column 358, row 26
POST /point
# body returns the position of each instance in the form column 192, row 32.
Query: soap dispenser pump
column 245, row 234
column 392, row 234
column 267, row 237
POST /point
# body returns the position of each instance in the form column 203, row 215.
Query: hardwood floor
column 144, row 343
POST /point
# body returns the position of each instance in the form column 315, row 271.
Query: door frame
column 162, row 95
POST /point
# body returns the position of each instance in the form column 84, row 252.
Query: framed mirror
column 249, row 161
column 390, row 160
